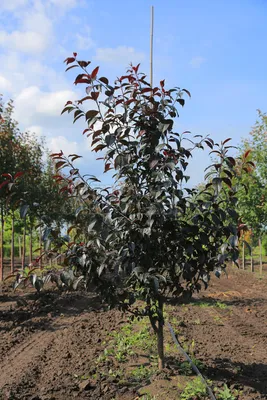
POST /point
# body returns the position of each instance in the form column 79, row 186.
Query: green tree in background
column 252, row 200
column 27, row 185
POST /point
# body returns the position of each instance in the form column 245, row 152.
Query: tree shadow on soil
column 240, row 374
column 34, row 311
column 234, row 301
column 244, row 302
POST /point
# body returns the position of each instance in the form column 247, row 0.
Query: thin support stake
column 151, row 46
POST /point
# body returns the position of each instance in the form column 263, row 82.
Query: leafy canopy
column 149, row 234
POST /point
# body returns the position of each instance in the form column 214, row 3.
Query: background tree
column 252, row 204
column 8, row 149
column 54, row 207
column 27, row 185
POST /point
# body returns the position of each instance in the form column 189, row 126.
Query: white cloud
column 33, row 105
column 52, row 103
column 119, row 55
column 64, row 3
column 23, row 73
column 34, row 29
column 33, row 34
column 39, row 89
column 58, row 143
column 38, row 130
column 12, row 5
column 84, row 40
column 27, row 42
column 5, row 85
column 36, row 20
column 196, row 62
column 55, row 144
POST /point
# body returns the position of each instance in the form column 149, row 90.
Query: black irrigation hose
column 193, row 366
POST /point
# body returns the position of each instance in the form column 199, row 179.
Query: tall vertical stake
column 151, row 45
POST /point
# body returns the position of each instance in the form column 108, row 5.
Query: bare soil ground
column 70, row 346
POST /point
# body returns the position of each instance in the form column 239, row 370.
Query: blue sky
column 215, row 49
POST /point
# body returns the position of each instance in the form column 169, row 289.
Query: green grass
column 217, row 319
column 129, row 338
column 133, row 339
column 226, row 394
column 124, row 344
column 195, row 389
column 220, row 305
column 204, row 304
column 186, row 368
column 142, row 373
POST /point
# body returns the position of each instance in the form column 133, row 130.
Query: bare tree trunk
column 30, row 245
column 2, row 247
column 40, row 246
column 23, row 245
column 160, row 338
column 20, row 247
column 251, row 261
column 260, row 246
column 243, row 256
column 12, row 255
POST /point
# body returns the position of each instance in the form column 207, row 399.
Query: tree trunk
column 23, row 245
column 30, row 245
column 260, row 246
column 40, row 245
column 2, row 247
column 251, row 261
column 19, row 246
column 243, row 257
column 12, row 255
column 160, row 338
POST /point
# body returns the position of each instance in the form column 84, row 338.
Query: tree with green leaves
column 252, row 204
column 9, row 146
column 21, row 156
column 26, row 184
column 150, row 236
column 53, row 207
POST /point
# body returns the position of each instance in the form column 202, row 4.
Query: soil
column 50, row 344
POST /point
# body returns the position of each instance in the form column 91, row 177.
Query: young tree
column 21, row 155
column 35, row 193
column 151, row 236
column 8, row 147
column 251, row 201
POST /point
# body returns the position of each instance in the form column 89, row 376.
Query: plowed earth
column 48, row 343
